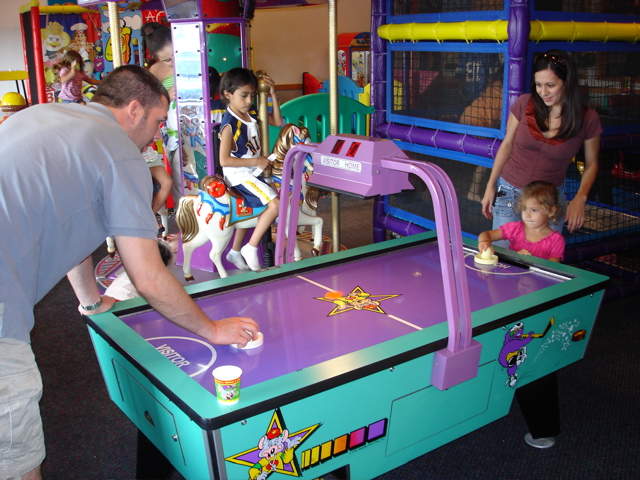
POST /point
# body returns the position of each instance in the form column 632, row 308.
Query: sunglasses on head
column 551, row 58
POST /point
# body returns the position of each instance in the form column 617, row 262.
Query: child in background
column 242, row 160
column 157, row 38
column 538, row 205
column 72, row 74
column 122, row 288
column 162, row 181
column 217, row 106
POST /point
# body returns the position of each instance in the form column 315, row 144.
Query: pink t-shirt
column 72, row 90
column 551, row 246
column 537, row 158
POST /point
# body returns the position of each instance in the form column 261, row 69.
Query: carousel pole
column 116, row 38
column 263, row 115
column 268, row 253
column 333, row 115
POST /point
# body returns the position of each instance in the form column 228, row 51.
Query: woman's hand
column 575, row 214
column 487, row 201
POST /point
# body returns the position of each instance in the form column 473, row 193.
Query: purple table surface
column 393, row 295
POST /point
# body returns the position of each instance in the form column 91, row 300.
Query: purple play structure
column 439, row 136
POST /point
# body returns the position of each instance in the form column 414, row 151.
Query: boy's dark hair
column 128, row 83
column 234, row 79
column 165, row 253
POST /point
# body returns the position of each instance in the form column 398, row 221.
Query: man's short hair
column 128, row 83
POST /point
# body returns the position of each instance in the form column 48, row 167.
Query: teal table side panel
column 419, row 417
column 357, row 411
column 181, row 441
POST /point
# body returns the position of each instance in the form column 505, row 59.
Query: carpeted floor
column 88, row 438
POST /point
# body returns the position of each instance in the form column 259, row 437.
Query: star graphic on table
column 357, row 299
column 276, row 431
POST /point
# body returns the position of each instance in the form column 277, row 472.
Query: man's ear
column 134, row 111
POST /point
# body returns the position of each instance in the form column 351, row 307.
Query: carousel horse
column 214, row 213
column 291, row 135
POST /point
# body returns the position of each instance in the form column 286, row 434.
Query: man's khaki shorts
column 21, row 437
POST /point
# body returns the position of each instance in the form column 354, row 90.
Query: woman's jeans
column 504, row 208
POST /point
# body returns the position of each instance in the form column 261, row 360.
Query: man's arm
column 162, row 290
column 83, row 282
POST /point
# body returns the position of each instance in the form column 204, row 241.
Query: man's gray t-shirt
column 69, row 177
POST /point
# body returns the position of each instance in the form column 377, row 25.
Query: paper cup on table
column 227, row 379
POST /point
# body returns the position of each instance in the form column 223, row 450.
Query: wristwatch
column 93, row 306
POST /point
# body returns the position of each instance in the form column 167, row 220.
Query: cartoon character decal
column 228, row 392
column 274, row 452
column 193, row 130
column 514, row 349
column 276, row 449
column 357, row 299
column 342, row 62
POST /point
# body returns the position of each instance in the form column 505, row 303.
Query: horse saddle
column 236, row 211
column 239, row 211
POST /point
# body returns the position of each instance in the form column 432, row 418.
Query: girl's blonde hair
column 545, row 194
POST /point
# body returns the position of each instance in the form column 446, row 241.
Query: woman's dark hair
column 563, row 66
column 127, row 83
column 155, row 37
column 234, row 79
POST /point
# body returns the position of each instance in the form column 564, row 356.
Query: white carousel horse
column 291, row 135
column 213, row 214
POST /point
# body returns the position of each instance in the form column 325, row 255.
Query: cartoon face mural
column 54, row 39
column 125, row 38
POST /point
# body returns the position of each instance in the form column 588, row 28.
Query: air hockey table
column 345, row 381
column 341, row 382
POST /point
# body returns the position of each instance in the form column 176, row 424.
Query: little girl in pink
column 538, row 205
column 72, row 75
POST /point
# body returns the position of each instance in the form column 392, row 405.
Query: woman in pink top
column 545, row 130
column 72, row 75
column 533, row 235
